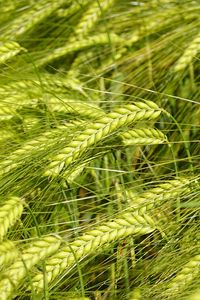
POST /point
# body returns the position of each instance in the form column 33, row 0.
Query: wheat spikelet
column 10, row 212
column 30, row 18
column 17, row 157
column 188, row 55
column 69, row 106
column 9, row 50
column 11, row 106
column 156, row 196
column 97, row 239
column 59, row 82
column 101, row 129
column 32, row 255
column 8, row 253
column 143, row 136
column 72, row 9
column 100, row 39
column 90, row 17
column 184, row 278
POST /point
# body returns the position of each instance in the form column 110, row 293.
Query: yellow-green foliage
column 99, row 149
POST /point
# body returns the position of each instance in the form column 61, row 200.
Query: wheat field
column 99, row 150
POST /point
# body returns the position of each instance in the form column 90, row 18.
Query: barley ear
column 10, row 212
column 92, row 241
column 8, row 253
column 72, row 9
column 184, row 278
column 30, row 18
column 101, row 129
column 9, row 50
column 100, row 39
column 188, row 55
column 32, row 255
column 155, row 197
column 39, row 143
column 143, row 136
column 90, row 17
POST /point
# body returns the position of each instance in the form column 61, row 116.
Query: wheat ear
column 188, row 55
column 17, row 157
column 90, row 17
column 9, row 50
column 96, row 40
column 157, row 196
column 68, row 106
column 98, row 239
column 10, row 212
column 32, row 255
column 8, row 253
column 72, row 9
column 100, row 130
column 183, row 279
column 143, row 136
column 32, row 17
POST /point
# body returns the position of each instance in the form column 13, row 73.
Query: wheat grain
column 143, row 136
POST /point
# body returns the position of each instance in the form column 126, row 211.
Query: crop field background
column 99, row 150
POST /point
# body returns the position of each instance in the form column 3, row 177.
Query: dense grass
column 99, row 149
